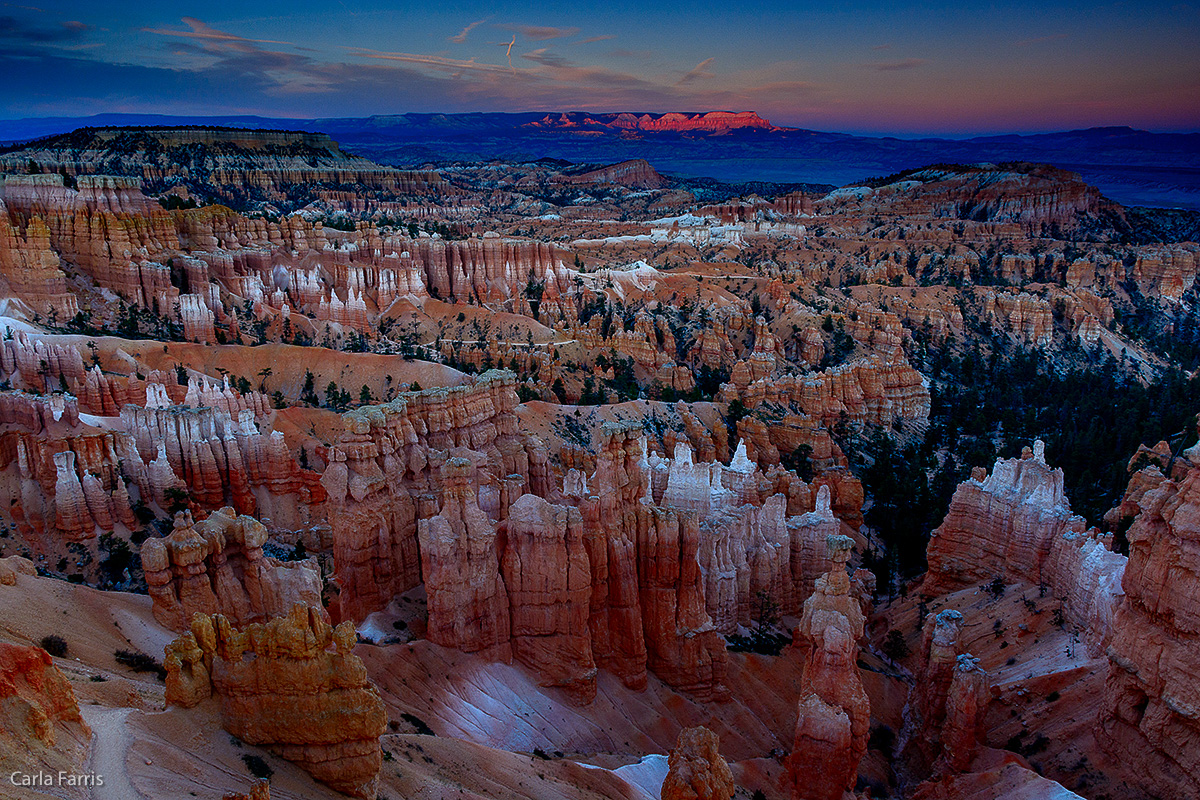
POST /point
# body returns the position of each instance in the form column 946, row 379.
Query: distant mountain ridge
column 1133, row 167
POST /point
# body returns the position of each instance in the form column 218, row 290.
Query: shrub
column 140, row 662
column 418, row 724
column 258, row 768
column 894, row 646
column 54, row 645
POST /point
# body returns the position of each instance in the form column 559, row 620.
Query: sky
column 934, row 68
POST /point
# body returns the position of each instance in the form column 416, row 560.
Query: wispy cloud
column 201, row 30
column 439, row 63
column 1039, row 39
column 538, row 33
column 544, row 57
column 898, row 66
column 17, row 30
column 696, row 73
column 462, row 35
column 882, row 47
column 591, row 39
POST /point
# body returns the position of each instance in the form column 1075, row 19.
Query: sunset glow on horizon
column 937, row 68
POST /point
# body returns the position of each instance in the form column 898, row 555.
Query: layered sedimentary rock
column 1032, row 195
column 871, row 389
column 217, row 566
column 682, row 647
column 834, row 711
column 1016, row 524
column 65, row 480
column 225, row 163
column 218, row 458
column 293, row 686
column 940, row 649
column 696, row 770
column 966, row 701
column 752, row 542
column 385, row 473
column 635, row 173
column 1026, row 316
column 40, row 725
column 468, row 602
column 36, row 414
column 647, row 606
column 945, row 708
column 549, row 581
column 31, row 271
column 1151, row 713
column 710, row 122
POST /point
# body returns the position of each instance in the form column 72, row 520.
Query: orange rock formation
column 291, row 685
column 831, row 732
column 696, row 770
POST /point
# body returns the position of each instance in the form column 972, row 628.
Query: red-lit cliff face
column 710, row 122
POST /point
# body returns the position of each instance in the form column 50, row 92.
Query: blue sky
column 864, row 67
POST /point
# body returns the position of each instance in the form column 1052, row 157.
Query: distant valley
column 1132, row 167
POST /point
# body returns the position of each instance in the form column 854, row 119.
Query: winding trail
column 110, row 746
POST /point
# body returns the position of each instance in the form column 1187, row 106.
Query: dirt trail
column 110, row 746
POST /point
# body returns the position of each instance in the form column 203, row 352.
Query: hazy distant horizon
column 866, row 132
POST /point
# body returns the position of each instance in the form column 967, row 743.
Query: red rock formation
column 36, row 414
column 222, row 459
column 1026, row 316
column 635, row 173
column 1149, row 719
column 610, row 525
column 682, row 647
column 866, row 390
column 966, row 701
column 940, row 649
column 30, row 270
column 293, row 686
column 12, row 566
column 217, row 566
column 834, row 713
column 946, row 704
column 696, row 770
column 710, row 122
column 1030, row 194
column 1017, row 524
column 384, row 474
column 261, row 790
column 274, row 164
column 40, row 725
column 468, row 603
column 549, row 581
